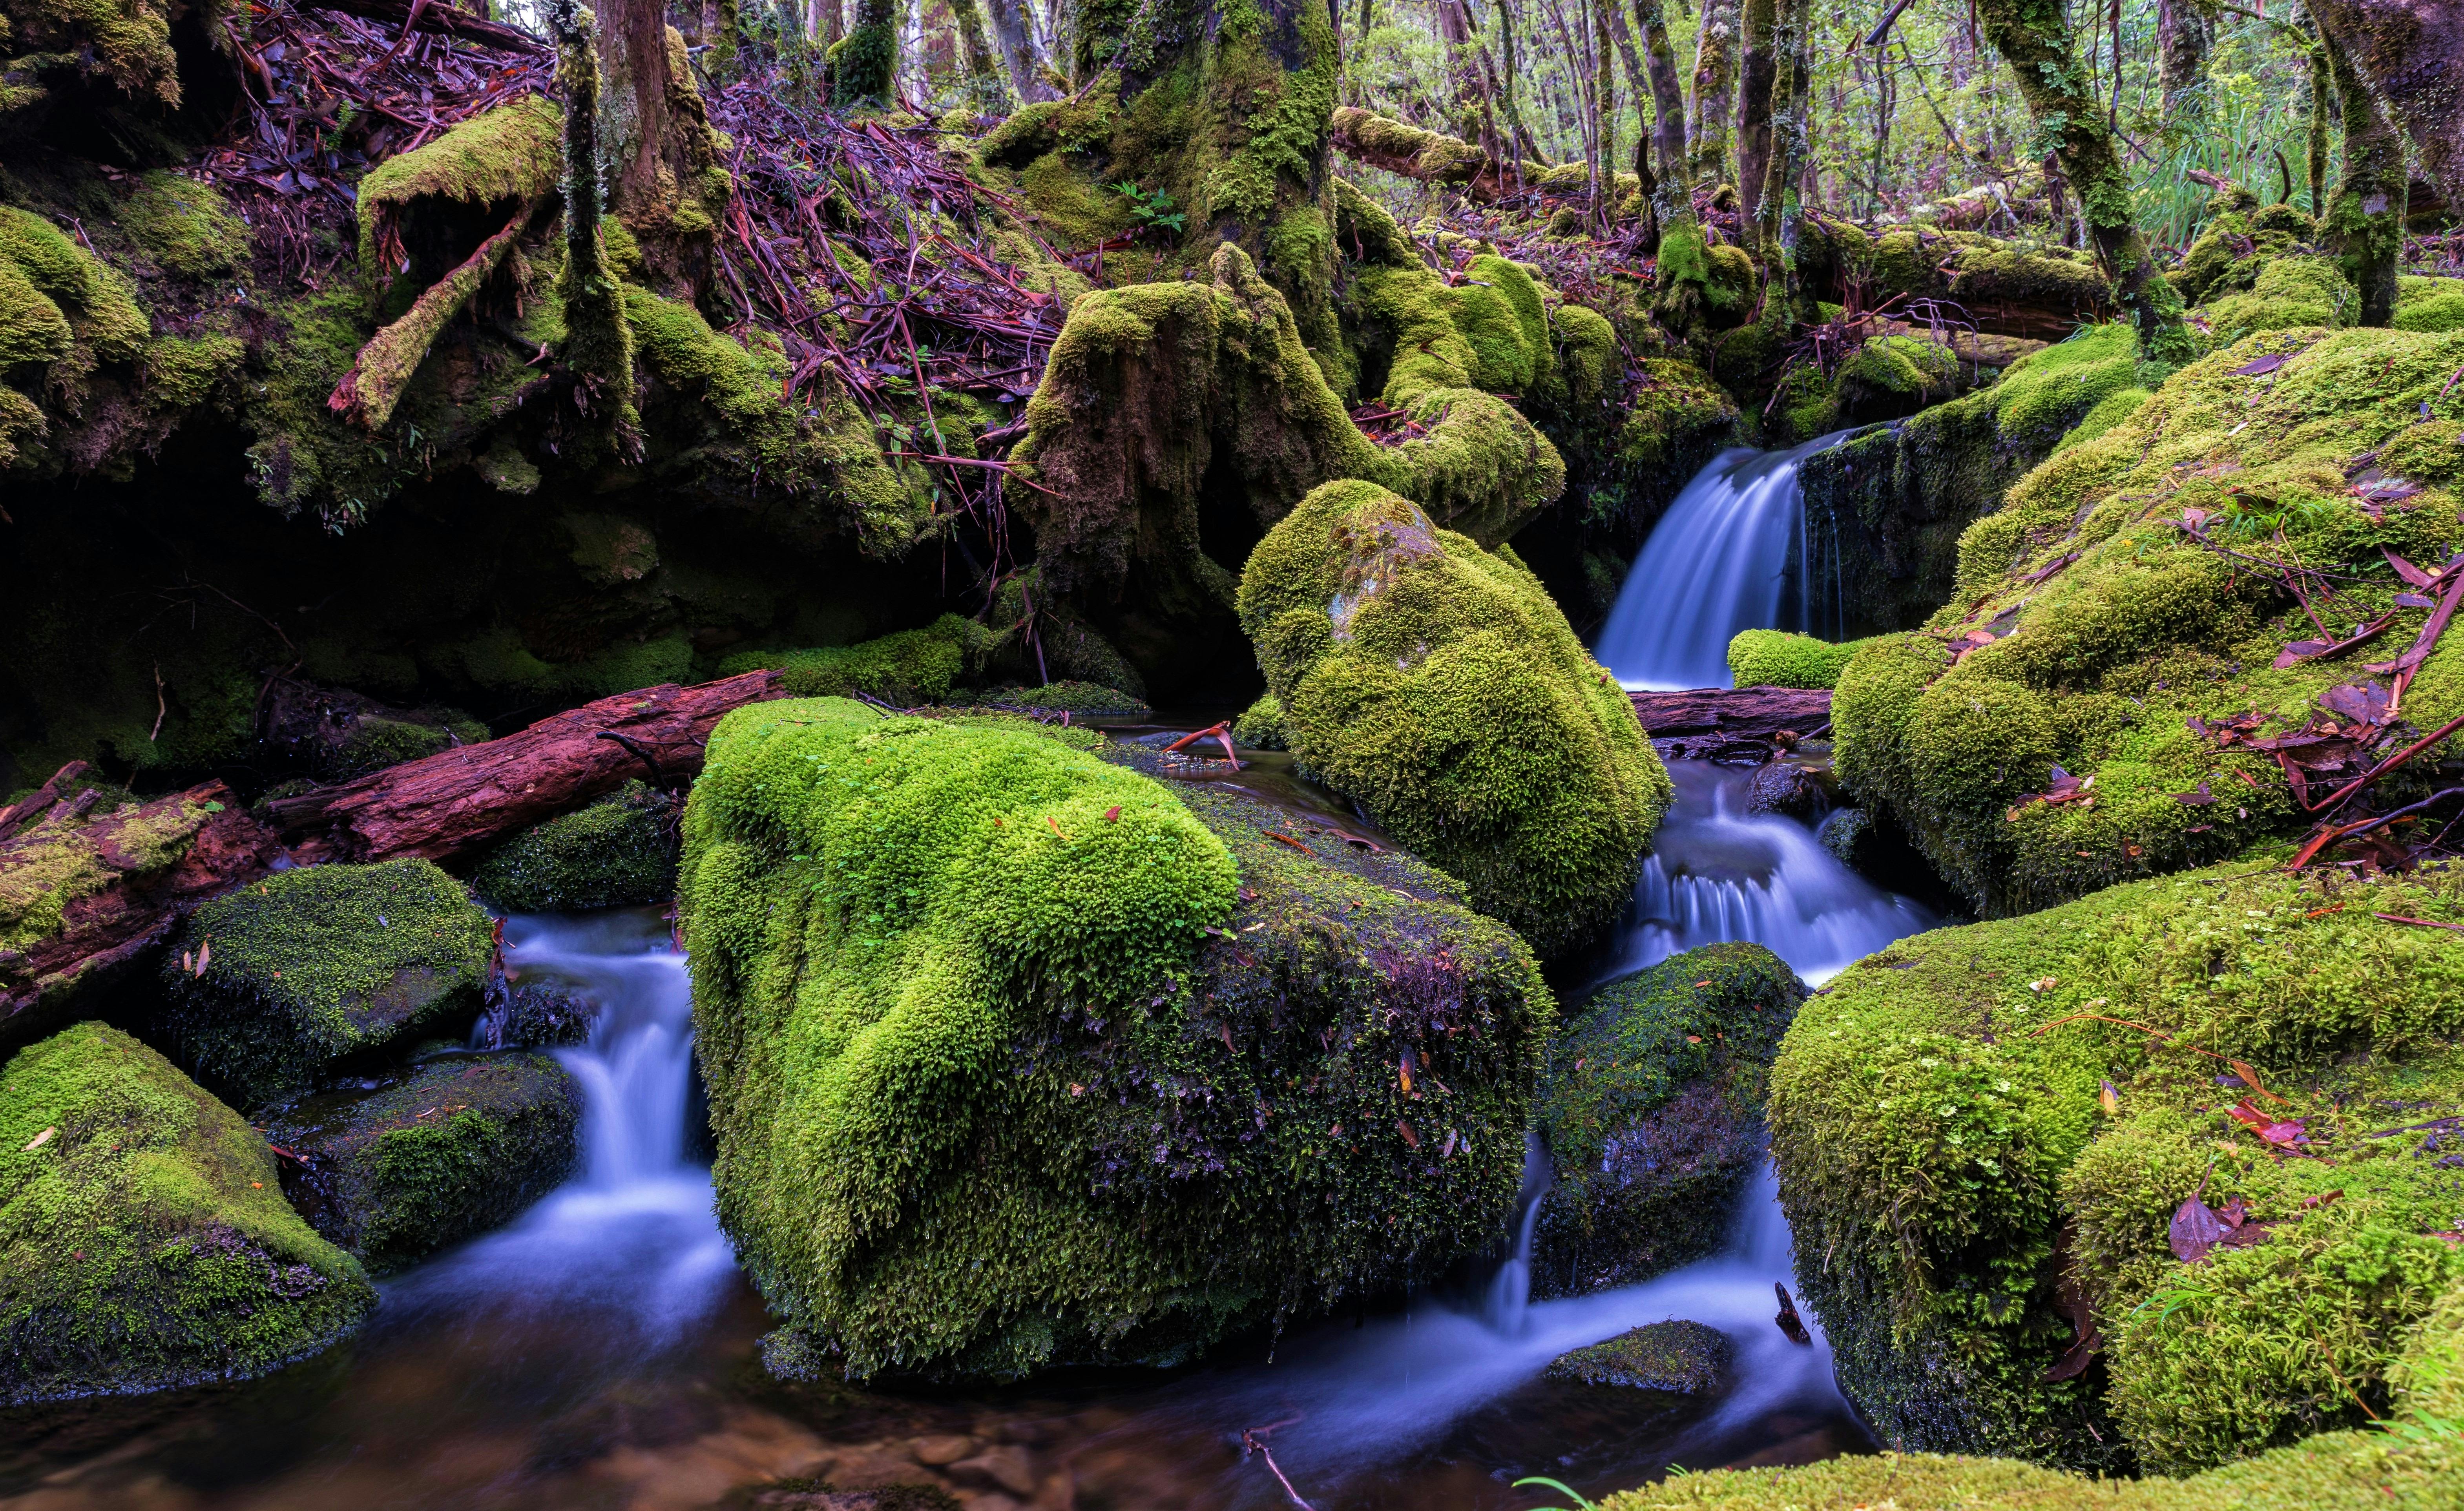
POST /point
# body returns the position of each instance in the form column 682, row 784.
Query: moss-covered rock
column 1016, row 1059
column 145, row 1243
column 2431, row 305
column 2101, row 627
column 1777, row 658
column 1438, row 685
column 908, row 667
column 273, row 985
column 396, row 1171
column 619, row 851
column 1983, row 1132
column 1683, row 1358
column 1652, row 1112
column 1261, row 725
column 1084, row 699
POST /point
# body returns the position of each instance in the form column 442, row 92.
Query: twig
column 1254, row 1440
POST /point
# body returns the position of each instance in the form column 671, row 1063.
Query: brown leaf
column 2194, row 1230
column 1409, row 1137
column 2261, row 367
column 39, row 1139
column 2359, row 702
column 2250, row 1076
column 2321, row 1198
column 2198, row 797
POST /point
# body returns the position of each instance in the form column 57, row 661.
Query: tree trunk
column 1709, row 126
column 864, row 65
column 1778, row 209
column 824, row 22
column 1604, row 156
column 1683, row 272
column 1757, row 69
column 2364, row 224
column 2411, row 54
column 663, row 177
column 598, row 343
column 1021, row 56
column 2031, row 36
column 2323, row 86
column 983, row 61
column 2183, row 40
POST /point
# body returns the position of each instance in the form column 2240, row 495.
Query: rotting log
column 120, row 883
column 1732, row 713
column 444, row 20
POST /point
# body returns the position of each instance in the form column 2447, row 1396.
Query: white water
column 1716, row 564
column 632, row 1234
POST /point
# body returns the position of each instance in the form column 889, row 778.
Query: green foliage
column 1082, row 698
column 909, row 666
column 1652, row 1112
column 1776, row 657
column 144, row 1245
column 1437, row 684
column 620, row 850
column 1152, row 211
column 439, row 1154
column 316, row 965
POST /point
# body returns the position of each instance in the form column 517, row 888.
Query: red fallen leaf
column 1225, row 1029
column 2197, row 797
column 1409, row 1137
column 1112, row 814
column 2321, row 1198
column 2359, row 702
column 1286, row 839
column 2234, row 1213
column 2250, row 1076
column 2406, row 570
column 2050, row 568
column 2194, row 1230
column 2260, row 367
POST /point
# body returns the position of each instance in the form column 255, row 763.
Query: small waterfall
column 1507, row 1304
column 1717, row 563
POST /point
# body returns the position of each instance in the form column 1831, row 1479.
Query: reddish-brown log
column 1738, row 712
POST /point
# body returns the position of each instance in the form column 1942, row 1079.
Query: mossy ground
column 1958, row 1187
column 313, row 966
column 1777, row 658
column 2103, row 657
column 145, row 1243
column 441, row 1153
column 620, row 850
column 989, row 1021
column 1438, row 685
column 1652, row 1115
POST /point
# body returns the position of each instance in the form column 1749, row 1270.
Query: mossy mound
column 144, row 1245
column 1776, row 657
column 2115, row 628
column 1983, row 1133
column 1652, row 1112
column 1685, row 1358
column 619, row 851
column 1673, row 420
column 1086, row 699
column 2431, row 305
column 1261, row 725
column 2237, row 241
column 2286, row 293
column 442, row 1153
column 1438, row 685
column 909, row 667
column 1014, row 1061
column 272, row 985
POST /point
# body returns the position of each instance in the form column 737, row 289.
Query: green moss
column 51, row 865
column 185, row 227
column 1686, row 1358
column 32, row 330
column 441, row 1153
column 1676, row 418
column 1652, row 1112
column 619, row 851
column 2429, row 304
column 144, row 1245
column 1261, row 725
column 987, row 1100
column 128, row 45
column 506, row 154
column 2233, row 247
column 908, row 667
column 314, row 966
column 1083, row 698
column 2290, row 292
column 1944, row 1163
column 1776, row 657
column 1436, row 684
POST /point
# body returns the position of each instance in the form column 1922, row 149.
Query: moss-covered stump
column 273, row 985
column 1652, row 1112
column 1683, row 1358
column 1984, row 1135
column 145, row 1243
column 436, row 1155
column 1776, row 657
column 1885, row 509
column 2106, row 613
column 1014, row 1061
column 1438, row 685
column 908, row 667
column 619, row 851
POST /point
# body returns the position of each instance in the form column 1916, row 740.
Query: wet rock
column 1006, row 1467
column 1848, row 833
column 814, row 1494
column 1685, row 1357
column 549, row 1014
column 274, row 985
column 944, row 1448
column 458, row 1145
column 144, row 1245
column 1785, row 789
column 617, row 852
column 1652, row 1111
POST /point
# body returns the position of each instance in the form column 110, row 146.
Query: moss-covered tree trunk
column 2323, row 88
column 1709, row 126
column 1020, row 58
column 2032, row 37
column 663, row 177
column 2364, row 224
column 2183, row 41
column 2411, row 54
column 1757, row 66
column 1684, row 268
column 983, row 61
column 1778, row 211
column 864, row 64
column 597, row 346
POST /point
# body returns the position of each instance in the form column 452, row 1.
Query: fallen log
column 1433, row 157
column 81, row 899
column 1733, row 712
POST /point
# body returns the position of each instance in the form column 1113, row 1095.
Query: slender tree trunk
column 2364, row 225
column 864, row 65
column 598, row 344
column 1685, row 266
column 1779, row 209
column 983, row 61
column 2323, row 86
column 1622, row 28
column 2411, row 54
column 2032, row 37
column 1709, row 125
column 1022, row 60
column 1757, row 68
column 825, row 21
column 2183, row 40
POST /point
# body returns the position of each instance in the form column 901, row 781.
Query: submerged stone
column 273, row 985
column 144, row 1245
column 1652, row 1111
column 395, row 1171
column 1685, row 1358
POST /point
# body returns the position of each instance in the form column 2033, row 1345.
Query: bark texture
column 1757, row 67
column 1020, row 58
column 2411, row 54
column 1711, row 120
column 2364, row 224
column 663, row 176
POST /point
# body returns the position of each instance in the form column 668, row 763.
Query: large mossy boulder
column 1984, row 1135
column 2109, row 604
column 1436, row 684
column 274, row 985
column 144, row 1245
column 1652, row 1112
column 1017, row 1058
column 617, row 852
column 393, row 1172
